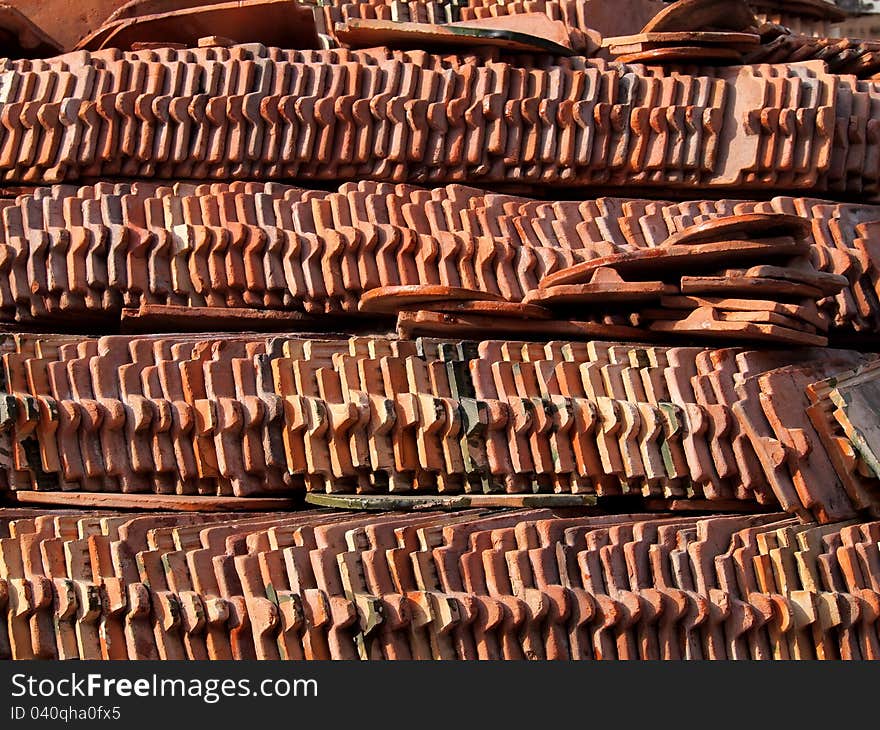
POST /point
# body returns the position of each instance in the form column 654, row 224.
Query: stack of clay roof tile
column 524, row 584
column 252, row 112
column 859, row 58
column 180, row 23
column 693, row 32
column 843, row 409
column 267, row 255
column 190, row 416
column 687, row 468
column 769, row 251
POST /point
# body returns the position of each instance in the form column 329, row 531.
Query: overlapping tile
column 202, row 102
column 270, row 256
column 527, row 584
column 241, row 416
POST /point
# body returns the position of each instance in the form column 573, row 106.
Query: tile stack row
column 526, row 584
column 246, row 415
column 322, row 120
column 573, row 123
column 285, row 256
